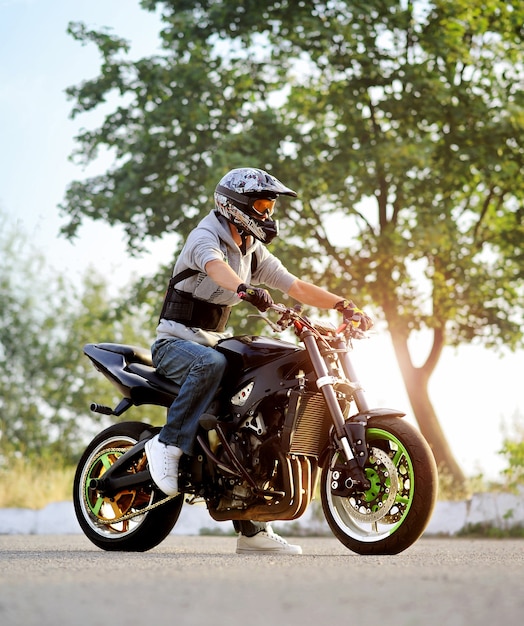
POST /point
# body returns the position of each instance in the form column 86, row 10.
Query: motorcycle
column 290, row 418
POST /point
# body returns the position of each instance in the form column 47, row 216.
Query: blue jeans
column 198, row 370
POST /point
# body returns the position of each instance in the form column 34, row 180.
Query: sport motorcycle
column 290, row 422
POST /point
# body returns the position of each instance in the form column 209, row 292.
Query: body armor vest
column 180, row 306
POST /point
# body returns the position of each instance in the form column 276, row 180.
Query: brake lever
column 269, row 322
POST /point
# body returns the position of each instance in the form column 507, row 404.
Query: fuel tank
column 247, row 352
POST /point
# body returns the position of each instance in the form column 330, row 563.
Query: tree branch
column 482, row 215
column 381, row 178
column 434, row 355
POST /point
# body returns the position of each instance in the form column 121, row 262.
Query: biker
column 223, row 257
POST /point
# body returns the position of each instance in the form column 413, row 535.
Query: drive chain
column 127, row 516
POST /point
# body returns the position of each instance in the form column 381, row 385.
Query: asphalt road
column 49, row 580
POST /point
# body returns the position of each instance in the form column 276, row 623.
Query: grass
column 34, row 485
column 484, row 530
column 449, row 492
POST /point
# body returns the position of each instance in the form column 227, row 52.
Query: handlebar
column 294, row 316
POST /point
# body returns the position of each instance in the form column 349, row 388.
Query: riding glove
column 353, row 315
column 255, row 296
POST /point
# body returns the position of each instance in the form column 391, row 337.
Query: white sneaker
column 163, row 465
column 265, row 542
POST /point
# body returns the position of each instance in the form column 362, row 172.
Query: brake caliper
column 348, row 478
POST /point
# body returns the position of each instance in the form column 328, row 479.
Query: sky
column 476, row 393
column 38, row 61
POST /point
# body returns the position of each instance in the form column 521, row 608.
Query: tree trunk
column 416, row 381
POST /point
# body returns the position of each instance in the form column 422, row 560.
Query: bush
column 513, row 450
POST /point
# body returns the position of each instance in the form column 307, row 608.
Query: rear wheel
column 117, row 522
column 393, row 513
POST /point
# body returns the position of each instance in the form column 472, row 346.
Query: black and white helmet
column 237, row 195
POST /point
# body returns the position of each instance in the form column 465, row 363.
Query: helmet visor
column 264, row 207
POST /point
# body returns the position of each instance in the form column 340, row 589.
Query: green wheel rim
column 378, row 512
column 100, row 465
column 405, row 473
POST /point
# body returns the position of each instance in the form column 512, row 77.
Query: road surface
column 61, row 580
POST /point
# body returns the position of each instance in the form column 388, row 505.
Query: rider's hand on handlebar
column 256, row 296
column 354, row 316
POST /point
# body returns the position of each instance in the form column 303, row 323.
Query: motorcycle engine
column 251, row 444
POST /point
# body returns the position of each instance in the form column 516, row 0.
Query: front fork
column 350, row 434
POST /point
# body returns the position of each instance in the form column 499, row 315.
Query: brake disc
column 375, row 503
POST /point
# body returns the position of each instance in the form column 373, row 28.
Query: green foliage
column 27, row 311
column 513, row 452
column 402, row 122
column 46, row 382
column 491, row 531
column 405, row 119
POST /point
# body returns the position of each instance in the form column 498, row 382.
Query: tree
column 22, row 318
column 402, row 118
column 46, row 382
column 71, row 382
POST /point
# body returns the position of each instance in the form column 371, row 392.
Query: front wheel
column 393, row 513
column 124, row 521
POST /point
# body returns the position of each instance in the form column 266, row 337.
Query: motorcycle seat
column 131, row 354
column 157, row 380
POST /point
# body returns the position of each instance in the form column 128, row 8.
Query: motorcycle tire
column 393, row 513
column 95, row 512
